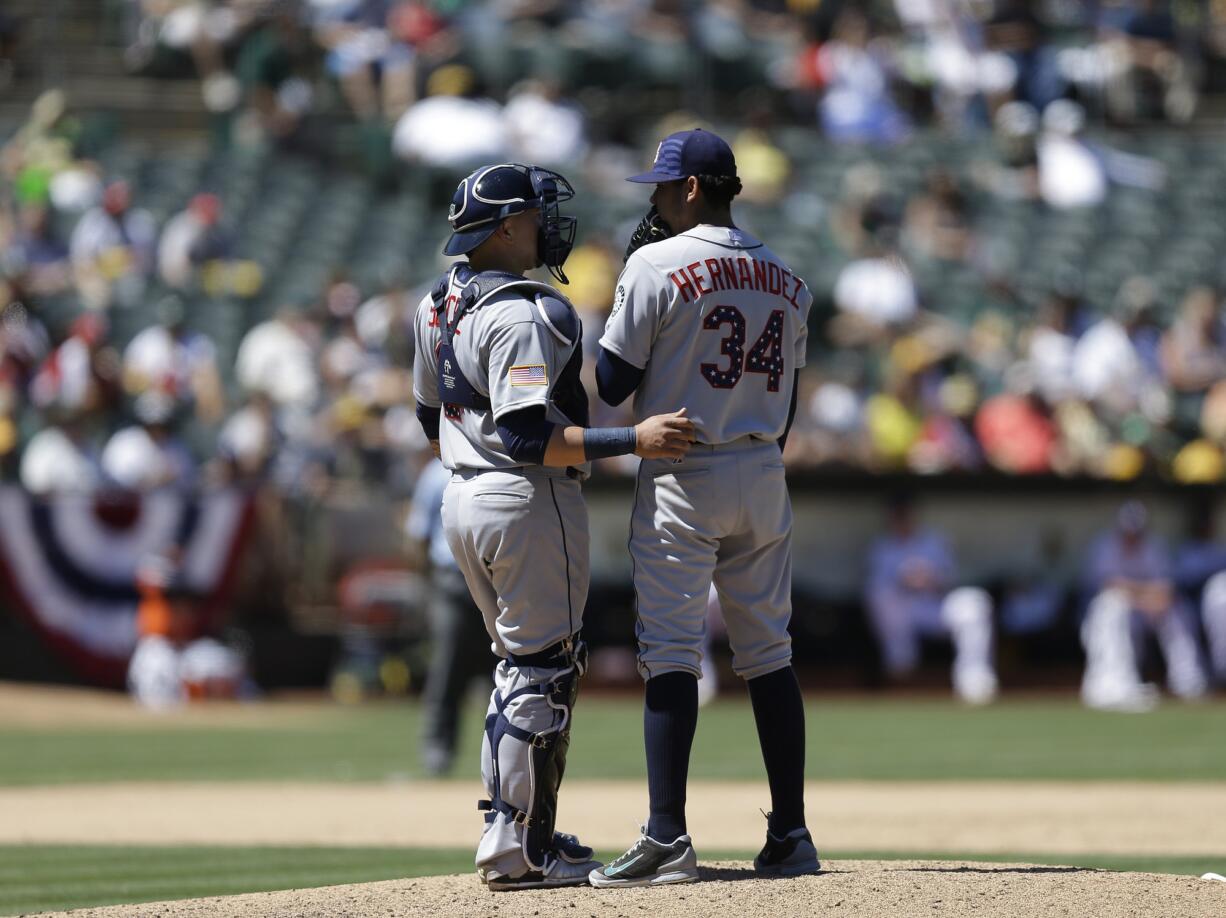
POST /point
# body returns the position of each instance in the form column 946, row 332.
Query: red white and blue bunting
column 68, row 564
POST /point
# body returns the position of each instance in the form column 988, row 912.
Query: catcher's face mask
column 556, row 236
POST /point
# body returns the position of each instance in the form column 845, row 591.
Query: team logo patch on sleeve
column 531, row 375
column 619, row 300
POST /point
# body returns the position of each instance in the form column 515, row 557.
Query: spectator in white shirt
column 878, row 290
column 1051, row 348
column 148, row 455
column 542, row 127
column 1070, row 173
column 248, row 441
column 112, row 250
column 79, row 377
column 277, row 357
column 170, row 358
column 59, row 460
column 189, row 239
column 874, row 293
column 384, row 322
column 451, row 126
column 1116, row 363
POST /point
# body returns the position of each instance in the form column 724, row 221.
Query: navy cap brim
column 654, row 178
column 463, row 243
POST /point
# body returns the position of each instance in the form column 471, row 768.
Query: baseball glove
column 651, row 228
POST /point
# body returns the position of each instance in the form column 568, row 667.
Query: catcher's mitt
column 651, row 228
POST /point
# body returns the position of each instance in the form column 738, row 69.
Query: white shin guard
column 522, row 757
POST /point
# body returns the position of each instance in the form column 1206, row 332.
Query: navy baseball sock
column 670, row 715
column 779, row 712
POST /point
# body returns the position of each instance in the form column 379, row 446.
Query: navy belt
column 562, row 649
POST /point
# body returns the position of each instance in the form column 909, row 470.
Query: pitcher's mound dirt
column 847, row 889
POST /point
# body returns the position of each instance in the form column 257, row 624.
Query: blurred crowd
column 940, row 346
column 83, row 407
column 1045, row 380
column 866, row 71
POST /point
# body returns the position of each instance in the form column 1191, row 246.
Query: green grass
column 55, row 877
column 884, row 740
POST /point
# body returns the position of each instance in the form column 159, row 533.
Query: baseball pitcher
column 706, row 316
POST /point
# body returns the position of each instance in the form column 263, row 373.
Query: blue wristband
column 605, row 442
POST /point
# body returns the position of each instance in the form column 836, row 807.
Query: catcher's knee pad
column 528, row 733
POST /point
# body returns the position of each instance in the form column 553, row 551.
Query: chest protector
column 478, row 289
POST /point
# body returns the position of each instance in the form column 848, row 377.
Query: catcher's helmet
column 493, row 193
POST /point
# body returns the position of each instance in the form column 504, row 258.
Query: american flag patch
column 532, row 375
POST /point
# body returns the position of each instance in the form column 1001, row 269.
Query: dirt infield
column 48, row 707
column 974, row 817
column 849, row 889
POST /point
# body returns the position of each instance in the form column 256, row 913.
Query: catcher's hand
column 651, row 228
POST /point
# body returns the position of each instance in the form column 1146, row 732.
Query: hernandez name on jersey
column 735, row 374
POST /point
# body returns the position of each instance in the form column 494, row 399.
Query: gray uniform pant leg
column 723, row 516
column 753, row 568
column 673, row 542
column 520, row 537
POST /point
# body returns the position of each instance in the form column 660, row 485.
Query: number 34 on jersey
column 718, row 323
column 722, row 274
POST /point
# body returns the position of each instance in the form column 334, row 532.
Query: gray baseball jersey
column 719, row 325
column 511, row 352
column 518, row 533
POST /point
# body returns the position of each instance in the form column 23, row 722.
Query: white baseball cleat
column 568, row 864
column 558, row 872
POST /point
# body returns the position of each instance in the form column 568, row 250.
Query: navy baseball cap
column 687, row 153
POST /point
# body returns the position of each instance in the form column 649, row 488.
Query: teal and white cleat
column 650, row 863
